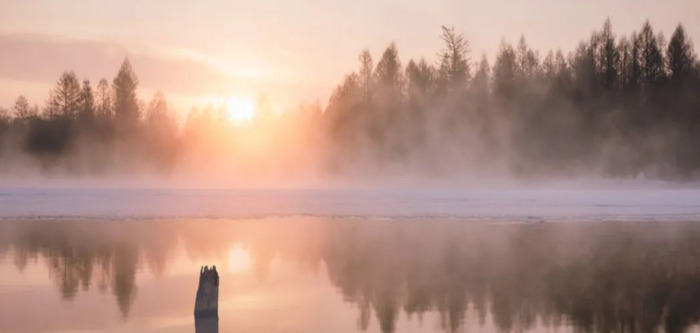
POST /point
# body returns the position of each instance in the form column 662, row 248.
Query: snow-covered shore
column 553, row 203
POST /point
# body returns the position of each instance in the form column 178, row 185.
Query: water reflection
column 609, row 277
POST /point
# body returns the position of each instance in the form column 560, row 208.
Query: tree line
column 614, row 106
column 106, row 124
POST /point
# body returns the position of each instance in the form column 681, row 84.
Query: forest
column 616, row 106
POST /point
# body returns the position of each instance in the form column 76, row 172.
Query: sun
column 239, row 109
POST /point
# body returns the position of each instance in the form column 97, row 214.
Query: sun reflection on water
column 238, row 260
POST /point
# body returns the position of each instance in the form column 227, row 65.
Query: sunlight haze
column 349, row 166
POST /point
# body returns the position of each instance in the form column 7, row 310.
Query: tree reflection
column 124, row 278
column 609, row 277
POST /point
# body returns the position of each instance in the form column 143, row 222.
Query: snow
column 556, row 204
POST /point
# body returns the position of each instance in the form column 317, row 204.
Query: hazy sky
column 294, row 50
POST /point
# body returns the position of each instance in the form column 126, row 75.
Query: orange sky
column 294, row 50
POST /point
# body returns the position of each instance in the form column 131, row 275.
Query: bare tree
column 64, row 99
column 21, row 108
column 453, row 70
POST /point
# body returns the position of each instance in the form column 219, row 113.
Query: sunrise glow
column 239, row 109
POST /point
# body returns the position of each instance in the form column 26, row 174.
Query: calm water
column 338, row 275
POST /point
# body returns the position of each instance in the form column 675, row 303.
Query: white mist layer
column 555, row 203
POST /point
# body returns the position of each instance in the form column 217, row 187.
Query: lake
column 315, row 274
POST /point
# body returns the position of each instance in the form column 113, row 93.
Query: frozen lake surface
column 498, row 204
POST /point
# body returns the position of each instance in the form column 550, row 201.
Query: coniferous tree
column 53, row 135
column 651, row 57
column 5, row 118
column 528, row 63
column 563, row 75
column 548, row 66
column 103, row 99
column 161, row 130
column 21, row 108
column 420, row 89
column 5, row 127
column 624, row 48
column 505, row 73
column 632, row 65
column 583, row 65
column 366, row 74
column 345, row 124
column 421, row 80
column 360, row 102
column 681, row 58
column 388, row 72
column 481, row 95
column 86, row 113
column 65, row 97
column 683, row 102
column 388, row 118
column 609, row 58
column 480, row 83
column 126, row 105
column 454, row 71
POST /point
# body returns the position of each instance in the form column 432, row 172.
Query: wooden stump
column 207, row 302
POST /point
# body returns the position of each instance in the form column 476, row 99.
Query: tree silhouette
column 681, row 58
column 651, row 57
column 162, row 130
column 454, row 70
column 103, row 100
column 65, row 98
column 21, row 108
column 86, row 113
column 609, row 56
column 126, row 106
column 387, row 119
column 505, row 73
column 5, row 119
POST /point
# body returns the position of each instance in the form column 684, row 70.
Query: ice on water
column 533, row 203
